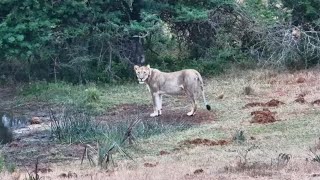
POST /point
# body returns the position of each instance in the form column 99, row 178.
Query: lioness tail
column 202, row 90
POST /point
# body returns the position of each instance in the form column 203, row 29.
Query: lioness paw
column 190, row 113
column 154, row 114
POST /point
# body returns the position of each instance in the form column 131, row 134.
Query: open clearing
column 278, row 114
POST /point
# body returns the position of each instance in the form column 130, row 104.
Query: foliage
column 304, row 12
column 99, row 41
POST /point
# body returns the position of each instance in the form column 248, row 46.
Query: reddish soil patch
column 274, row 103
column 198, row 171
column 131, row 111
column 300, row 100
column 301, row 80
column 315, row 175
column 254, row 104
column 150, row 164
column 271, row 103
column 316, row 102
column 263, row 117
column 163, row 153
column 206, row 142
column 201, row 116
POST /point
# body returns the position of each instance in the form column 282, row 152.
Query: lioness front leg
column 156, row 105
column 194, row 105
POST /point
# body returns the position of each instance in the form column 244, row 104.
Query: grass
column 106, row 138
column 83, row 128
column 293, row 134
column 5, row 165
column 93, row 98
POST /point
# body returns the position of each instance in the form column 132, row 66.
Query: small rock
column 14, row 144
column 63, row 175
column 35, row 120
column 72, row 174
column 301, row 80
column 317, row 102
column 69, row 175
column 300, row 100
column 315, row 175
column 220, row 96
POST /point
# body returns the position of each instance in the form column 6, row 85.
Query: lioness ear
column 135, row 67
column 148, row 66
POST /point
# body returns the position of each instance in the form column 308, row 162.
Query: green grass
column 91, row 97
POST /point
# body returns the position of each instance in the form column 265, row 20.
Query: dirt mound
column 150, row 164
column 201, row 116
column 263, row 117
column 68, row 175
column 271, row 103
column 274, row 103
column 254, row 104
column 301, row 80
column 317, row 102
column 161, row 153
column 198, row 171
column 300, row 100
column 206, row 142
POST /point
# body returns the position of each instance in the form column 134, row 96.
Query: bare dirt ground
column 279, row 118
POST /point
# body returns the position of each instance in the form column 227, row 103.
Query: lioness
column 185, row 81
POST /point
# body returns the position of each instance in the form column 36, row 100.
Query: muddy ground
column 34, row 140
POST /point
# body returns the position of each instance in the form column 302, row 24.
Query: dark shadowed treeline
column 84, row 41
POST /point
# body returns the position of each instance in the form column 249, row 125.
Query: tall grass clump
column 102, row 139
column 73, row 127
column 5, row 165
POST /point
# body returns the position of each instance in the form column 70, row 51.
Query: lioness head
column 142, row 72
